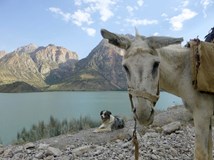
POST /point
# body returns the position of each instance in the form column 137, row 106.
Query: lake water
column 20, row 110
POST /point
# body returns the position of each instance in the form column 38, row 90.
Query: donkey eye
column 154, row 68
column 127, row 70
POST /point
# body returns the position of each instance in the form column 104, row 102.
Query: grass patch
column 54, row 128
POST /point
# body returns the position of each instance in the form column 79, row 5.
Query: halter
column 143, row 94
column 137, row 93
column 152, row 98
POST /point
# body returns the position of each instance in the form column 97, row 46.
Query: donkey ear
column 120, row 41
column 158, row 42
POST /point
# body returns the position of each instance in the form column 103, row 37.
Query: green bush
column 54, row 128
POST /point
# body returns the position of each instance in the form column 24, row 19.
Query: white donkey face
column 142, row 69
column 141, row 63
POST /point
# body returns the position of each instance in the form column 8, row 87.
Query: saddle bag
column 202, row 64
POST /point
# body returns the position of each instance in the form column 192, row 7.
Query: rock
column 154, row 157
column 40, row 155
column 83, row 149
column 43, row 146
column 54, row 151
column 1, row 150
column 171, row 127
column 151, row 135
column 18, row 149
column 8, row 153
column 29, row 145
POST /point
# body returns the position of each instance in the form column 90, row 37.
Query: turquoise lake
column 20, row 110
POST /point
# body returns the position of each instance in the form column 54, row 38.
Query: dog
column 109, row 122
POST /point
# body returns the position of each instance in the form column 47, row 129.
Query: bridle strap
column 146, row 95
column 143, row 94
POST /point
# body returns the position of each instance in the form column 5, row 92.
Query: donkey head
column 141, row 64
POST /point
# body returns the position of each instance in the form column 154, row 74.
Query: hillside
column 18, row 87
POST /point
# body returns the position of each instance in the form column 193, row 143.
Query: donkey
column 153, row 63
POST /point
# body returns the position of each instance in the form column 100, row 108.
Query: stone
column 29, row 145
column 8, row 153
column 43, row 146
column 1, row 150
column 40, row 155
column 171, row 127
column 82, row 149
column 54, row 151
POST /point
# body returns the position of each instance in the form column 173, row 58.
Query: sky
column 76, row 24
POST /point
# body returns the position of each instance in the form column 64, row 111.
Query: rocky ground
column 171, row 137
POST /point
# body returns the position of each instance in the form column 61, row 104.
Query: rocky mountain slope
column 37, row 66
column 20, row 67
column 170, row 137
column 2, row 54
column 56, row 68
column 100, row 70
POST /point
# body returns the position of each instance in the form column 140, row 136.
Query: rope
column 134, row 136
column 135, row 142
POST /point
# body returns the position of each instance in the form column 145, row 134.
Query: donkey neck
column 174, row 68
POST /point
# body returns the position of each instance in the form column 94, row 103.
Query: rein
column 134, row 135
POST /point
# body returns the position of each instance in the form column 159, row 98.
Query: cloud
column 144, row 22
column 89, row 31
column 155, row 34
column 185, row 3
column 87, row 10
column 105, row 14
column 66, row 16
column 80, row 17
column 78, row 2
column 164, row 15
column 104, row 8
column 140, row 2
column 205, row 4
column 130, row 10
column 177, row 21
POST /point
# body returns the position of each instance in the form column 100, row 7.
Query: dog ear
column 109, row 112
column 101, row 112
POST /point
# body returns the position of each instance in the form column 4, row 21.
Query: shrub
column 54, row 128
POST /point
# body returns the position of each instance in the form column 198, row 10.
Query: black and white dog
column 109, row 122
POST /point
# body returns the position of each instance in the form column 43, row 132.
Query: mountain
column 35, row 65
column 20, row 67
column 2, row 54
column 54, row 63
column 100, row 70
column 53, row 68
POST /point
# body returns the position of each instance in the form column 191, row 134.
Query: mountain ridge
column 55, row 68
